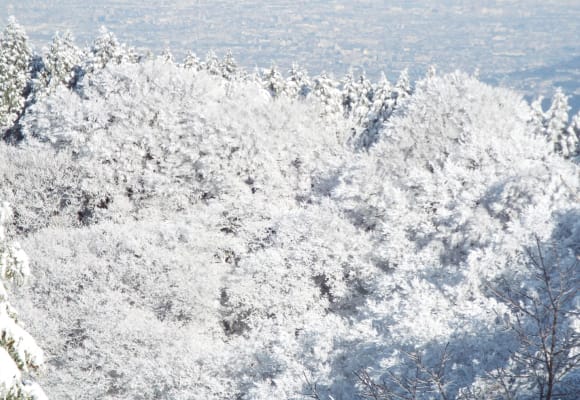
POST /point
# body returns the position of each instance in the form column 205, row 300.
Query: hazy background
column 532, row 46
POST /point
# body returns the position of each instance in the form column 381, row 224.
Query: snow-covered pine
column 382, row 107
column 556, row 124
column 19, row 353
column 105, row 50
column 59, row 63
column 298, row 83
column 15, row 57
column 403, row 86
column 273, row 81
column 573, row 136
column 327, row 91
column 192, row 62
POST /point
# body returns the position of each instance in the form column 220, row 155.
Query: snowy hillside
column 195, row 231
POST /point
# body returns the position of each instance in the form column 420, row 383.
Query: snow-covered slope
column 195, row 235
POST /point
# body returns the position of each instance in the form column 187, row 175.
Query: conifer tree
column 273, row 82
column 298, row 83
column 538, row 117
column 15, row 56
column 167, row 57
column 403, row 85
column 192, row 62
column 19, row 353
column 107, row 49
column 60, row 61
column 228, row 66
column 553, row 124
column 327, row 91
column 556, row 122
column 212, row 63
column 573, row 136
column 381, row 108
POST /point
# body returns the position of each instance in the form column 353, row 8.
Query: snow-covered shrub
column 47, row 188
column 19, row 353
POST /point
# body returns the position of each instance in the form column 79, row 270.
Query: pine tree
column 166, row 56
column 273, row 82
column 107, row 49
column 403, row 85
column 15, row 56
column 538, row 117
column 298, row 83
column 556, row 123
column 381, row 108
column 192, row 62
column 212, row 63
column 229, row 67
column 327, row 91
column 19, row 353
column 60, row 61
column 431, row 72
column 573, row 135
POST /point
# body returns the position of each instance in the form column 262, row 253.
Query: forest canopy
column 197, row 231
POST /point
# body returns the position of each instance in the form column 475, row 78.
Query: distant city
column 532, row 46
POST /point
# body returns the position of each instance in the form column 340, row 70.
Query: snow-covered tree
column 298, row 83
column 192, row 62
column 166, row 56
column 357, row 95
column 382, row 107
column 212, row 63
column 229, row 66
column 59, row 64
column 19, row 353
column 573, row 135
column 106, row 49
column 544, row 314
column 537, row 116
column 273, row 82
column 15, row 56
column 556, row 124
column 403, row 85
column 326, row 90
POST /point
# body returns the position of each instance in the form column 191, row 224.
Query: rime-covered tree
column 381, row 108
column 327, row 91
column 357, row 95
column 544, row 314
column 212, row 63
column 403, row 85
column 60, row 62
column 106, row 49
column 573, row 133
column 298, row 83
column 15, row 56
column 166, row 56
column 537, row 116
column 19, row 353
column 192, row 62
column 229, row 66
column 556, row 123
column 273, row 82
